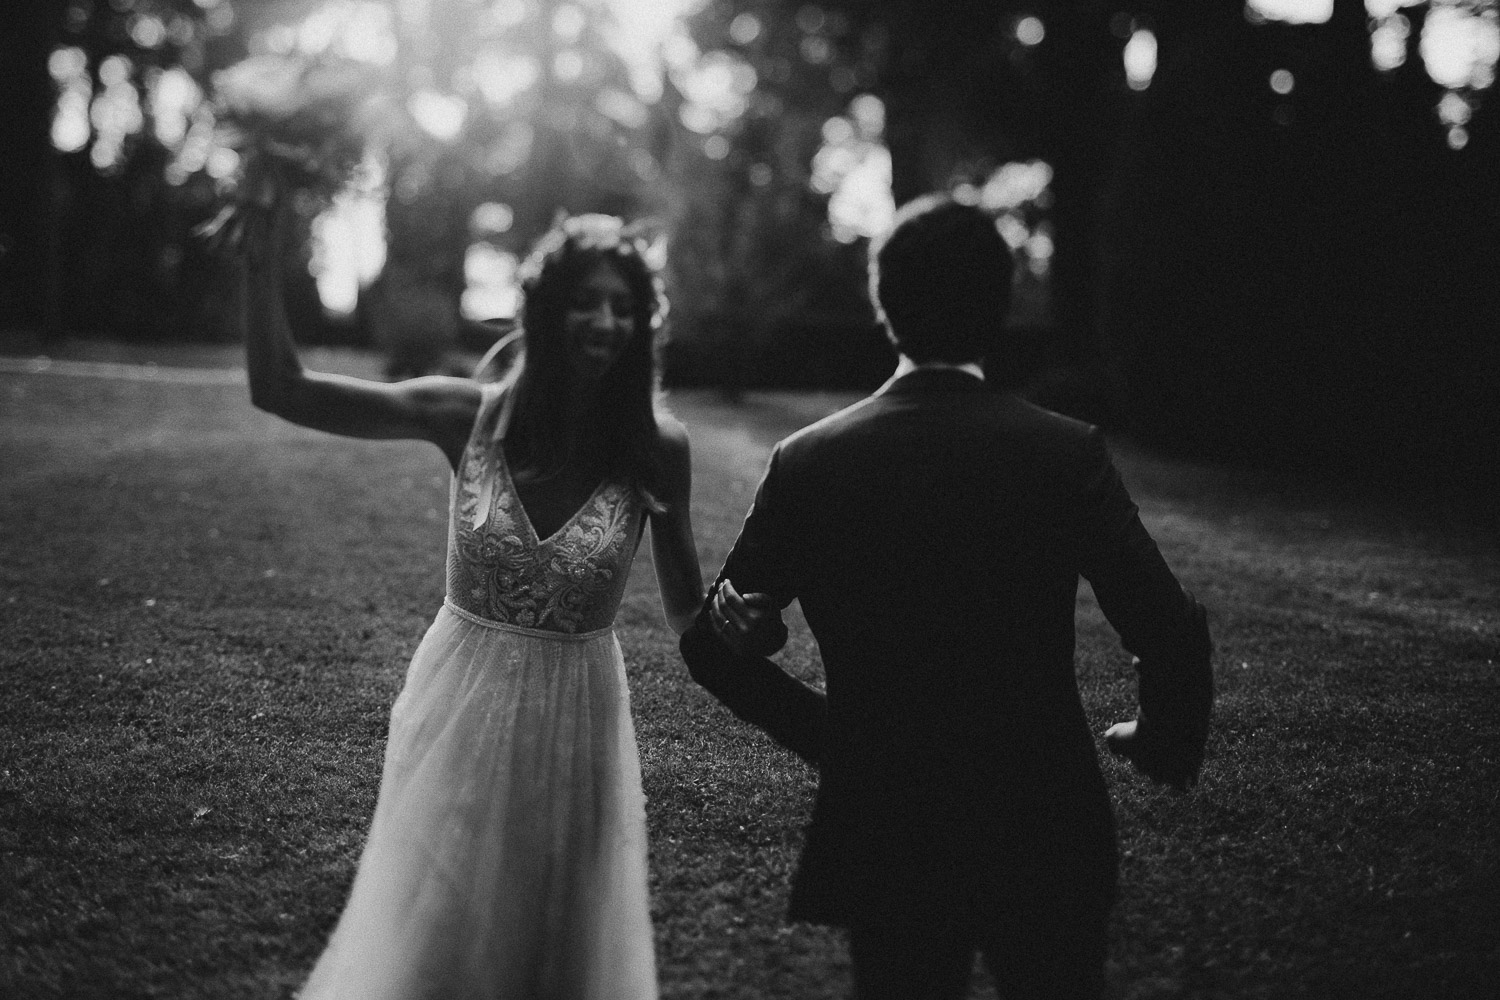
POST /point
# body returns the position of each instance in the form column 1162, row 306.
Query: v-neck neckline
column 525, row 516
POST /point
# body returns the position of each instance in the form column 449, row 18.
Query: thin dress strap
column 507, row 407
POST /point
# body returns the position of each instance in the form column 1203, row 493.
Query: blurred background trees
column 1267, row 230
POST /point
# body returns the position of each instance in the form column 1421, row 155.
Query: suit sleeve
column 1159, row 622
column 753, row 687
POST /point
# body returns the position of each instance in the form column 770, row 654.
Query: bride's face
column 600, row 319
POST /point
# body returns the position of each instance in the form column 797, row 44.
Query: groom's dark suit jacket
column 935, row 534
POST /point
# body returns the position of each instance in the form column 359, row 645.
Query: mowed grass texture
column 205, row 615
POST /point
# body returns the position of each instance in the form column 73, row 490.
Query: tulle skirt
column 507, row 856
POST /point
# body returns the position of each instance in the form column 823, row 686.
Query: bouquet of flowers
column 298, row 124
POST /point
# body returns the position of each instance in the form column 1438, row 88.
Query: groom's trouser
column 1051, row 952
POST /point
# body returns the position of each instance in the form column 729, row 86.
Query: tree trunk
column 1081, row 56
column 28, row 268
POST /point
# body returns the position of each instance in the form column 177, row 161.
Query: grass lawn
column 205, row 615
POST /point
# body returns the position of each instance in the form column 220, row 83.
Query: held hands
column 749, row 624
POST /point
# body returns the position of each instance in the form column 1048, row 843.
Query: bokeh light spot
column 1140, row 59
column 440, row 115
column 853, row 167
column 1040, row 244
column 816, row 50
column 492, row 290
column 507, row 13
column 67, row 64
column 622, row 107
column 811, row 19
column 221, row 163
column 717, row 88
column 501, row 80
column 1459, row 48
column 643, row 33
column 697, row 118
column 1030, row 30
column 868, row 112
column 862, row 205
column 1454, row 110
column 838, row 130
column 220, row 19
column 492, row 217
column 147, row 30
column 114, row 71
column 1388, row 42
column 1012, row 230
column 568, row 22
column 173, row 97
column 744, row 29
column 1014, row 184
column 349, row 249
column 1290, row 11
column 70, row 119
column 70, row 123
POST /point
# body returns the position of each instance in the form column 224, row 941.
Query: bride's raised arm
column 440, row 409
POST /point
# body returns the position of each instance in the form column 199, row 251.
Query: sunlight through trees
column 1154, row 140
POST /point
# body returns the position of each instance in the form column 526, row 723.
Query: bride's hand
column 268, row 229
column 250, row 224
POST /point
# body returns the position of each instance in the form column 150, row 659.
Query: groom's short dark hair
column 940, row 279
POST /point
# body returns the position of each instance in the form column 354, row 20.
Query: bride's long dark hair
column 541, row 382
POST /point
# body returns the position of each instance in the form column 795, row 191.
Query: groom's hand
column 1155, row 758
column 749, row 624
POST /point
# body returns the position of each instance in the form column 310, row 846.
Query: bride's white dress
column 507, row 856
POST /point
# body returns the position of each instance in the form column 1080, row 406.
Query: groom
column 935, row 534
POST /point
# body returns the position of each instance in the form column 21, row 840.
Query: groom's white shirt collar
column 905, row 366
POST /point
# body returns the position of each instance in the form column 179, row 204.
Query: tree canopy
column 1214, row 205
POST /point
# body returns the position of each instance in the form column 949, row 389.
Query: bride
column 507, row 854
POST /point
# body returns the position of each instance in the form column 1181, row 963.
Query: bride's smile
column 600, row 319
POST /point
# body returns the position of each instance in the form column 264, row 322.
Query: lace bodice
column 499, row 570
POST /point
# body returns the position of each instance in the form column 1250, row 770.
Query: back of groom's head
column 940, row 279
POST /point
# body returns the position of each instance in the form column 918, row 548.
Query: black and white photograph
column 749, row 500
